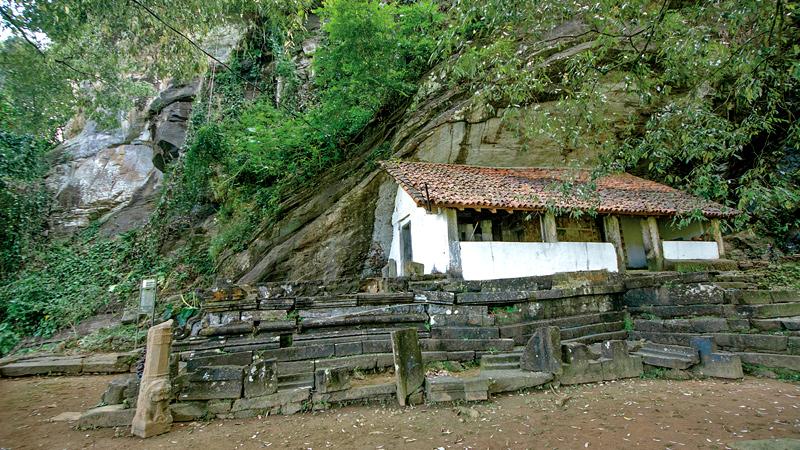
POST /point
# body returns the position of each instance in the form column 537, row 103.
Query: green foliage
column 771, row 372
column 628, row 324
column 69, row 280
column 245, row 155
column 35, row 99
column 8, row 338
column 785, row 275
column 98, row 56
column 117, row 338
column 654, row 373
column 23, row 199
column 718, row 84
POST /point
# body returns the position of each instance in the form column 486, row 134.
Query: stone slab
column 456, row 345
column 211, row 390
column 188, row 411
column 331, row 380
column 43, row 366
column 106, row 417
column 220, row 358
column 366, row 393
column 260, row 378
column 791, row 362
column 720, row 365
column 542, row 353
column 267, row 402
column 514, row 380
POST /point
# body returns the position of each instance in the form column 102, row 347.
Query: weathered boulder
column 261, row 378
column 188, row 411
column 581, row 365
column 714, row 363
column 617, row 363
column 332, row 379
column 542, row 353
column 106, row 417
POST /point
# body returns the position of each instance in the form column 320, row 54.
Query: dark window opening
column 579, row 229
column 405, row 243
column 519, row 226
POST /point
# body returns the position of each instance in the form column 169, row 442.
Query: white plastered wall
column 429, row 245
column 493, row 260
column 690, row 250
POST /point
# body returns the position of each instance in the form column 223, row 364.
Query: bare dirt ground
column 626, row 414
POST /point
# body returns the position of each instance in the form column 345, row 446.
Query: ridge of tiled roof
column 539, row 188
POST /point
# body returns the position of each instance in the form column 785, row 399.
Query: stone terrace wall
column 296, row 329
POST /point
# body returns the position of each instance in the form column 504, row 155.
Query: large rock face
column 113, row 175
column 325, row 230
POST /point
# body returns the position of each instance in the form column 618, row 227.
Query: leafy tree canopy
column 100, row 55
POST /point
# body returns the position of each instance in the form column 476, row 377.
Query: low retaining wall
column 492, row 260
column 682, row 250
column 309, row 326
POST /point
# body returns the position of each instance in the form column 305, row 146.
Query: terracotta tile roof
column 535, row 189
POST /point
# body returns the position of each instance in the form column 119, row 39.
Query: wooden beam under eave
column 614, row 236
column 494, row 211
column 716, row 232
column 550, row 234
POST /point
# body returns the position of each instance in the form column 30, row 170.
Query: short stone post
column 409, row 370
column 153, row 416
column 542, row 353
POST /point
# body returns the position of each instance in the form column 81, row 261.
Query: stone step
column 791, row 362
column 734, row 277
column 669, row 356
column 297, row 380
column 670, row 312
column 70, row 365
column 731, row 341
column 769, row 311
column 514, row 380
column 675, row 295
column 500, row 366
column 763, row 296
column 777, row 324
column 599, row 337
column 735, row 285
column 465, row 333
column 587, row 330
column 694, row 325
column 521, row 332
column 455, row 345
column 501, row 358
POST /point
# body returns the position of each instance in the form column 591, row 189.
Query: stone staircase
column 501, row 361
column 762, row 326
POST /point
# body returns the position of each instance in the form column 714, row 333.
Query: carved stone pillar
column 152, row 407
